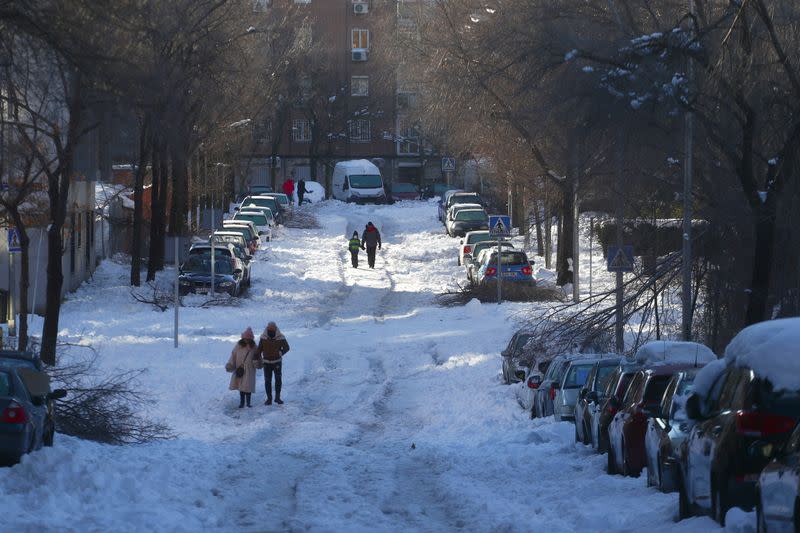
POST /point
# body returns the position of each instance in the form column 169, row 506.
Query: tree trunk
column 548, row 236
column 537, row 216
column 138, row 192
column 24, row 278
column 180, row 179
column 566, row 241
column 156, row 210
column 764, row 249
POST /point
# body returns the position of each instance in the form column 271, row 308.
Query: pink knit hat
column 248, row 334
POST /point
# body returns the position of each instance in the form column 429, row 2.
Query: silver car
column 573, row 379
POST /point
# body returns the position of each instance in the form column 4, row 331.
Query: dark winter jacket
column 271, row 350
column 355, row 244
column 301, row 187
column 371, row 237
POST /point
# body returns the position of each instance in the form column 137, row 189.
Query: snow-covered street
column 395, row 419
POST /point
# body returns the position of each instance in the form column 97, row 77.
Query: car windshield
column 510, row 258
column 576, row 377
column 282, row 199
column 13, row 362
column 463, row 199
column 258, row 189
column 481, row 246
column 266, row 211
column 522, row 340
column 471, row 215
column 244, row 232
column 201, row 264
column 258, row 220
column 272, row 203
column 655, row 390
column 235, row 240
column 206, row 250
column 603, row 373
column 5, row 384
column 365, row 181
column 474, row 238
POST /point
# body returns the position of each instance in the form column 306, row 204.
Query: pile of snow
column 771, row 350
column 674, row 352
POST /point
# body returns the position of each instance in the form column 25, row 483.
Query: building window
column 407, row 138
column 261, row 5
column 262, row 131
column 406, row 100
column 360, row 39
column 302, row 1
column 359, row 86
column 360, row 131
column 407, row 16
column 301, row 131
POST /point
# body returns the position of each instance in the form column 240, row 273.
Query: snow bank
column 770, row 349
column 674, row 352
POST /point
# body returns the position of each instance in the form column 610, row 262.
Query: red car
column 404, row 191
column 627, row 430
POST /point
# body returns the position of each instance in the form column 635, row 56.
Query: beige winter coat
column 242, row 355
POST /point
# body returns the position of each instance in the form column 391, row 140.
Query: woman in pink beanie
column 242, row 365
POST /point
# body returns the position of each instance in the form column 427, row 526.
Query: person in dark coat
column 301, row 191
column 354, row 245
column 272, row 346
column 371, row 239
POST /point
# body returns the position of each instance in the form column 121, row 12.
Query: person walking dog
column 272, row 346
column 242, row 365
column 354, row 245
column 370, row 239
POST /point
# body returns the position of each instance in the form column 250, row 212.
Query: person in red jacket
column 288, row 188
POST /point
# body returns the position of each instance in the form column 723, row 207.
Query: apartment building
column 348, row 102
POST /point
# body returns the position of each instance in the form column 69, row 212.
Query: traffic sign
column 499, row 225
column 13, row 241
column 448, row 164
column 620, row 259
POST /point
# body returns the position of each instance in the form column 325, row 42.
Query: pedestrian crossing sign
column 620, row 258
column 14, row 245
column 499, row 225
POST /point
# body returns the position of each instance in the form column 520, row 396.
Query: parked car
column 466, row 246
column 195, row 276
column 526, row 393
column 589, row 395
column 551, row 381
column 473, row 262
column 223, row 252
column 255, row 190
column 259, row 219
column 404, row 191
column 32, row 362
column 265, row 201
column 515, row 359
column 467, row 220
column 514, row 268
column 237, row 239
column 666, row 431
column 626, row 432
column 284, row 201
column 609, row 402
column 573, row 380
column 778, row 488
column 753, row 401
column 247, row 230
column 25, row 421
column 266, row 211
column 432, row 190
column 462, row 197
column 443, row 202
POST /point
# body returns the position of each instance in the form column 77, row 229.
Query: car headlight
column 184, row 283
column 226, row 284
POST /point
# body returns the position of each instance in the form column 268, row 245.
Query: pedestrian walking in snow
column 354, row 245
column 242, row 364
column 371, row 239
column 301, row 191
column 272, row 346
column 288, row 188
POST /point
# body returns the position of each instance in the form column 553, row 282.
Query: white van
column 358, row 181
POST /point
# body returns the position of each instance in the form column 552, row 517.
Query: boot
column 268, row 402
column 247, row 398
column 278, row 401
column 241, row 400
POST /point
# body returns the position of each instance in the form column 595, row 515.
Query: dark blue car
column 514, row 268
column 195, row 276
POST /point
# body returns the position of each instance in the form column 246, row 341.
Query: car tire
column 719, row 503
column 611, row 466
column 577, row 437
column 533, row 412
column 684, row 510
column 761, row 521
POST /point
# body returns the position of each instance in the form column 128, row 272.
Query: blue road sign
column 499, row 225
column 13, row 241
column 620, row 259
column 448, row 164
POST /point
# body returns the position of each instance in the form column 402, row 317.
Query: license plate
column 509, row 275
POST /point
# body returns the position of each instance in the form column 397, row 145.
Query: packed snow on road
column 395, row 416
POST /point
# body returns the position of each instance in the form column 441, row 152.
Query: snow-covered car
column 284, row 201
column 267, row 212
column 515, row 362
column 24, row 418
column 259, row 219
column 609, row 402
column 514, row 268
column 755, row 399
column 264, row 201
column 195, row 276
column 442, row 205
column 467, row 220
column 551, row 381
column 526, row 391
column 247, row 230
column 223, row 251
column 458, row 197
column 666, row 431
column 778, row 490
column 588, row 396
column 626, row 432
column 467, row 244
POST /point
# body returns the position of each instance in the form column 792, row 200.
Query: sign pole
column 177, row 289
column 12, row 318
column 499, row 275
column 619, row 332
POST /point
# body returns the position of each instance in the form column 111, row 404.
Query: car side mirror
column 692, row 407
column 248, row 257
column 592, row 396
column 237, row 271
column 467, row 258
column 505, row 353
column 534, row 382
column 461, row 241
column 57, row 394
column 38, row 401
column 345, row 186
column 582, row 394
column 520, row 374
